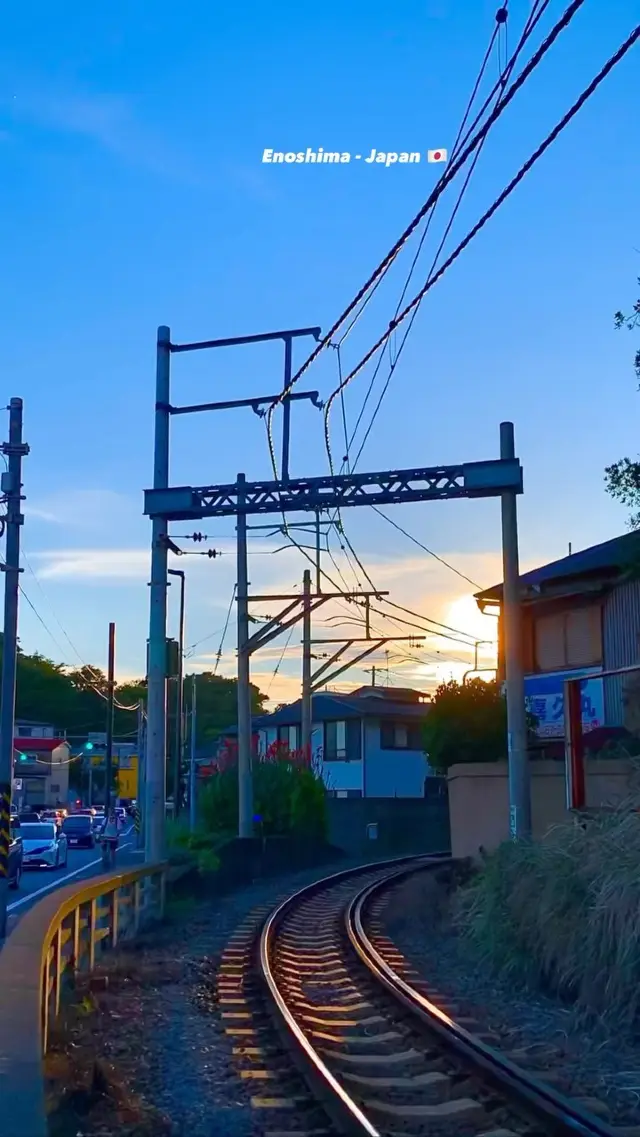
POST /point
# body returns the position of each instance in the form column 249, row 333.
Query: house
column 364, row 744
column 41, row 757
column 581, row 616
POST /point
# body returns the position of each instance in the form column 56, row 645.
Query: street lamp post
column 179, row 698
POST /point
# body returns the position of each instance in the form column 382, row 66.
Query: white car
column 44, row 846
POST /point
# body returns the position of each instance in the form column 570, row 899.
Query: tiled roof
column 327, row 708
column 613, row 556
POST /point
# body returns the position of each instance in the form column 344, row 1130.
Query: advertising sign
column 544, row 696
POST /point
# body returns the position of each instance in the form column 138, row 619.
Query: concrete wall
column 405, row 825
column 479, row 799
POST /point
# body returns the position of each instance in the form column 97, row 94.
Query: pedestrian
column 109, row 837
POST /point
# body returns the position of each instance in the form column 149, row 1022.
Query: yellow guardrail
column 61, row 937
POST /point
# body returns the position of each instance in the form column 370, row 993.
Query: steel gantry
column 501, row 477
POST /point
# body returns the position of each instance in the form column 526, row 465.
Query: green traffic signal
column 23, row 757
column 88, row 745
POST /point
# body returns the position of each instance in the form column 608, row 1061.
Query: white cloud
column 81, row 509
column 94, row 564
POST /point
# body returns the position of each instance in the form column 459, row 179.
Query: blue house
column 364, row 744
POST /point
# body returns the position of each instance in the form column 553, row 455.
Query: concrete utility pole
column 111, row 684
column 154, row 807
column 305, row 733
column 245, row 783
column 192, row 760
column 519, row 773
column 177, row 770
column 11, row 487
column 140, row 787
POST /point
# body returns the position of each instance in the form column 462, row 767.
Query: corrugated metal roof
column 610, row 555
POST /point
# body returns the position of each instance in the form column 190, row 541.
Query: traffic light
column 88, row 745
column 23, row 758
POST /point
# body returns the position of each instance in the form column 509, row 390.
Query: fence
column 59, row 938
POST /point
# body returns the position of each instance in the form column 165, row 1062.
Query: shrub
column 288, row 797
column 565, row 912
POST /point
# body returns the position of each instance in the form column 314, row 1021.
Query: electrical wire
column 420, row 545
column 92, row 670
column 277, row 666
column 224, row 630
column 448, row 175
column 548, row 141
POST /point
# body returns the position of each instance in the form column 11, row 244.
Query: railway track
column 375, row 1051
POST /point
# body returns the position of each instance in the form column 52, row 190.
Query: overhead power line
column 448, row 175
column 420, row 545
column 507, row 191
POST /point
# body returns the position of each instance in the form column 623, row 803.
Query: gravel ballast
column 142, row 1051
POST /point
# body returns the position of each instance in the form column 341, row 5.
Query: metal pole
column 11, row 485
column 286, row 410
column 90, row 801
column 192, row 759
column 245, row 786
column 154, row 808
column 519, row 773
column 177, row 770
column 318, row 566
column 111, row 683
column 140, row 786
column 373, row 675
column 305, row 734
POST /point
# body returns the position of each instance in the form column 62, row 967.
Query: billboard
column 544, row 697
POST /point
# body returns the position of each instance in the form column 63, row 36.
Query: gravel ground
column 589, row 1060
column 142, row 1052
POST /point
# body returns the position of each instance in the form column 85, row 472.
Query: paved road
column 82, row 864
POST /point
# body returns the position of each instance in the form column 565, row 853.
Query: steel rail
column 337, row 1101
column 563, row 1116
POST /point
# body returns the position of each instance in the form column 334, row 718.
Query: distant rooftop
column 610, row 558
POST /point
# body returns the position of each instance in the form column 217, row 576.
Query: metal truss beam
column 388, row 487
column 320, row 677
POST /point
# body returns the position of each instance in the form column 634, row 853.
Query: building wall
column 479, row 799
column 392, row 773
column 621, row 628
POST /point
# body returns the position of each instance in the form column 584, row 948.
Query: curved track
column 380, row 1051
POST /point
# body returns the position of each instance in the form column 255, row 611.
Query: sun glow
column 464, row 615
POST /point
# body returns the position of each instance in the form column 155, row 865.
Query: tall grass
column 565, row 912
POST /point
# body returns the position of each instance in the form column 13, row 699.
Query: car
column 121, row 813
column 27, row 816
column 44, row 846
column 16, row 857
column 78, row 829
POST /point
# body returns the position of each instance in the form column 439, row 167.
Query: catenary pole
column 519, row 774
column 11, row 485
column 177, row 769
column 245, row 785
column 155, row 771
column 305, row 733
column 193, row 817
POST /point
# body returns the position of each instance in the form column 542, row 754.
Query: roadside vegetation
column 564, row 913
column 289, row 801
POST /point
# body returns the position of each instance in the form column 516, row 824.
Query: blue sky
column 133, row 194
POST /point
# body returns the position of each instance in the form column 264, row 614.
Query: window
column 400, row 736
column 569, row 639
column 335, row 741
column 288, row 735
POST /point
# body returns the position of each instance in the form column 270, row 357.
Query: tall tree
column 622, row 479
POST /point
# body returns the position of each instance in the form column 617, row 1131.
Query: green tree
column 466, row 723
column 217, row 704
column 622, row 479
